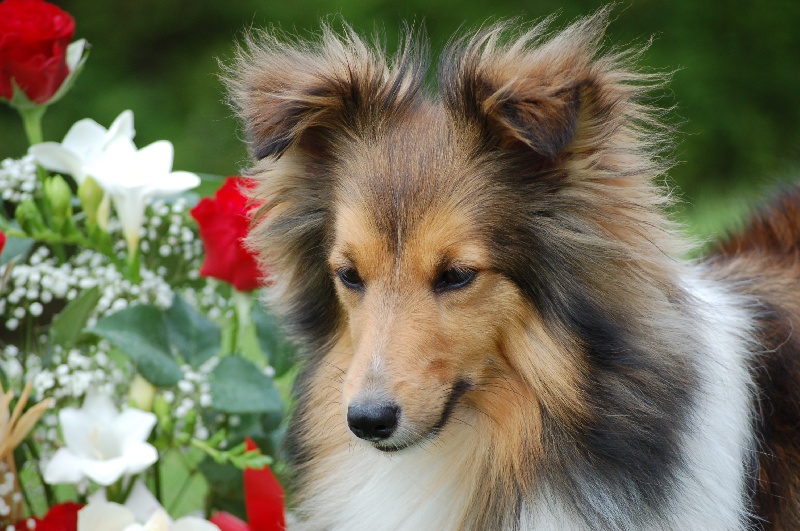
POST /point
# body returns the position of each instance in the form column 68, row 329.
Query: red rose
column 2, row 241
column 263, row 500
column 34, row 36
column 60, row 517
column 224, row 221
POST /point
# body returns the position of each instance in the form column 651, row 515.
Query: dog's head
column 452, row 251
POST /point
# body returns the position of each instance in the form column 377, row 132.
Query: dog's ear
column 311, row 94
column 526, row 92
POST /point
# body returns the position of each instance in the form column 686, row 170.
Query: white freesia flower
column 141, row 506
column 115, row 517
column 85, row 141
column 133, row 176
column 102, row 444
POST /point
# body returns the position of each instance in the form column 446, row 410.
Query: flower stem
column 32, row 122
column 134, row 272
column 231, row 336
column 16, row 506
column 114, row 492
column 243, row 306
column 126, row 491
column 157, row 482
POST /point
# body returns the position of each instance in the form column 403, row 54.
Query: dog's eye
column 350, row 278
column 453, row 278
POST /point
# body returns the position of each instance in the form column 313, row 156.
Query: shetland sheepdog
column 498, row 325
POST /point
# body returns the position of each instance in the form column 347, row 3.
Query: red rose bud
column 34, row 36
column 224, row 221
column 263, row 500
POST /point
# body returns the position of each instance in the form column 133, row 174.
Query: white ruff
column 721, row 441
column 415, row 489
column 429, row 487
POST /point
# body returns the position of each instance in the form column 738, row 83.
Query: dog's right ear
column 313, row 94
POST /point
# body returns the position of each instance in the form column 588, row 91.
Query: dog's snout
column 373, row 421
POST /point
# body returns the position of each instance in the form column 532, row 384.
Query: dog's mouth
column 457, row 391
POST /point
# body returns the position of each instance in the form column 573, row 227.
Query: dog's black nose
column 373, row 421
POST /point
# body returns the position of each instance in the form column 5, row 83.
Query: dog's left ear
column 525, row 93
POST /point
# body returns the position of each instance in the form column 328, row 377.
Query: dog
column 497, row 324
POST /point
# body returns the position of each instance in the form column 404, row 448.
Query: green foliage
column 238, row 386
column 141, row 333
column 225, row 485
column 15, row 248
column 195, row 337
column 152, row 339
column 272, row 341
column 68, row 325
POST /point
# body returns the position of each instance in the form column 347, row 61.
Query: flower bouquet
column 139, row 382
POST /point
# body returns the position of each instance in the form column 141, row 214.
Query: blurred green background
column 737, row 85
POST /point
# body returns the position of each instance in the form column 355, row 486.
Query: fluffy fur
column 585, row 376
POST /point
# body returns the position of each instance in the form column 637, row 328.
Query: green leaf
column 196, row 337
column 15, row 247
column 225, row 485
column 238, row 386
column 68, row 324
column 273, row 342
column 141, row 334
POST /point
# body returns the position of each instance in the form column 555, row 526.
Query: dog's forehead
column 413, row 167
column 407, row 189
column 440, row 236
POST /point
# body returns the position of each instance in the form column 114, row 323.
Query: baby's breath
column 42, row 282
column 18, row 180
column 170, row 245
column 192, row 394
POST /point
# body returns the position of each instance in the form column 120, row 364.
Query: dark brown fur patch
column 764, row 261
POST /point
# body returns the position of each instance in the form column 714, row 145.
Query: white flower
column 83, row 145
column 115, row 517
column 141, row 505
column 102, row 444
column 133, row 176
